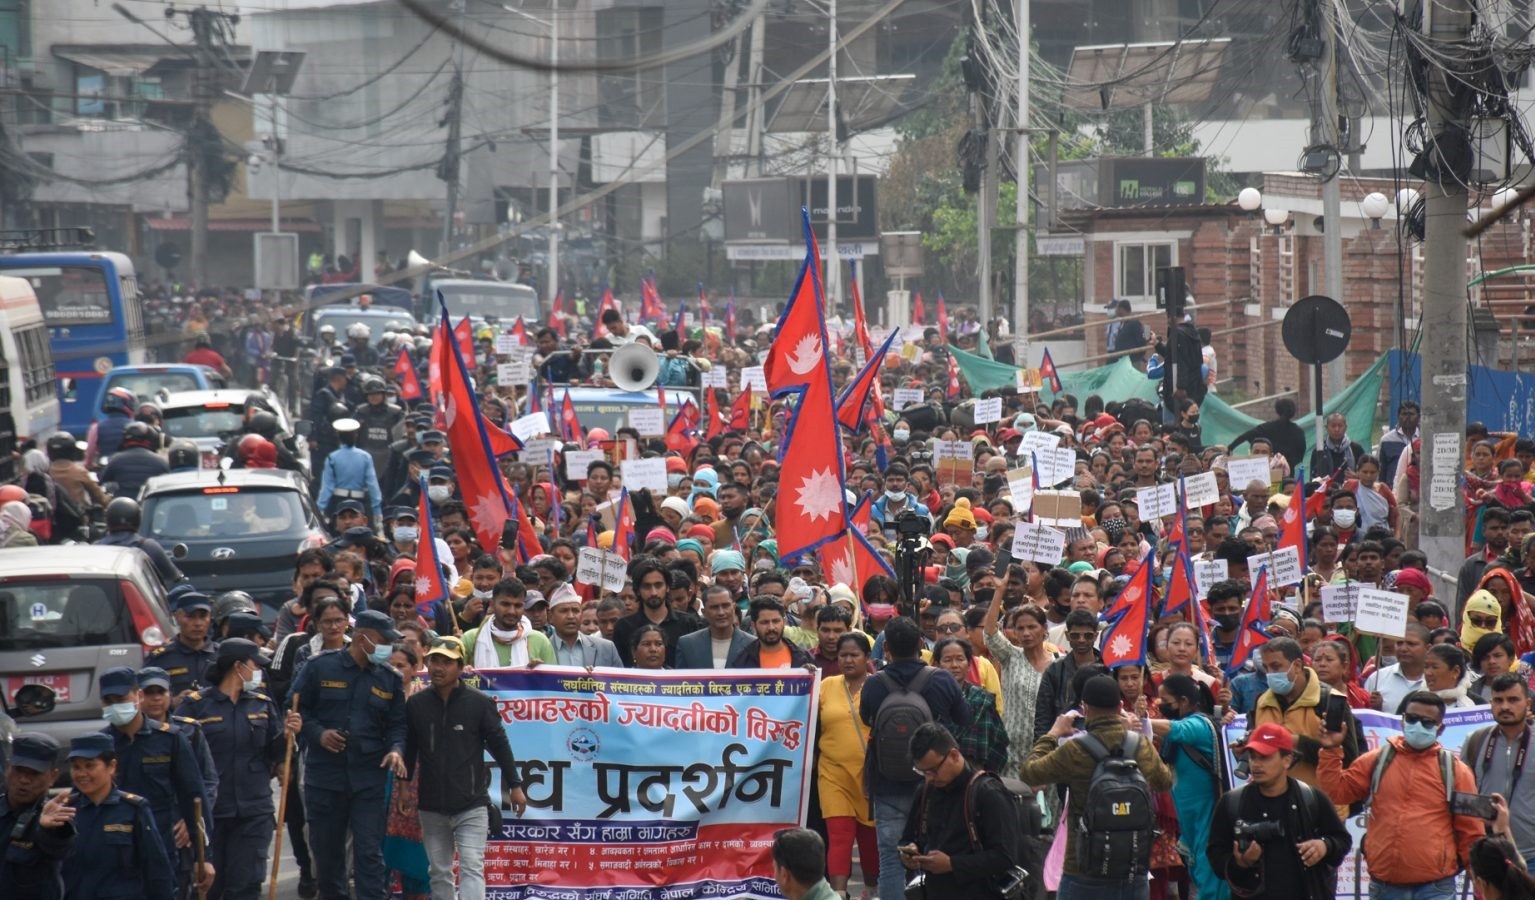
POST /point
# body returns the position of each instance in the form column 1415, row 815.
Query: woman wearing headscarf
column 1482, row 615
column 16, row 521
column 1518, row 619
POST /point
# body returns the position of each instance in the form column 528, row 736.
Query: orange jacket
column 1409, row 806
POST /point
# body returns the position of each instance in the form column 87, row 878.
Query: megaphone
column 415, row 260
column 634, row 367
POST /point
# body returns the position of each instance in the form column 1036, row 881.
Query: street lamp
column 1250, row 200
column 1405, row 198
column 1276, row 218
column 1375, row 206
column 553, row 24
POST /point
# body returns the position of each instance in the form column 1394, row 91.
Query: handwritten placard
column 537, row 450
column 1020, row 486
column 648, row 421
column 576, row 462
column 1035, row 441
column 1055, row 466
column 1382, row 612
column 953, row 462
column 531, row 426
column 1284, row 567
column 988, row 410
column 506, row 343
column 1200, row 490
column 1207, row 572
column 1156, row 502
column 596, row 566
column 1340, row 601
column 754, row 379
column 904, row 397
column 1039, row 542
column 1246, row 470
column 645, row 474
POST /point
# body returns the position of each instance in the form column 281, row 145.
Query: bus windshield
column 69, row 295
column 504, row 302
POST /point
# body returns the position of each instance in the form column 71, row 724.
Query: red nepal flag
column 430, row 584
column 730, row 319
column 1124, row 643
column 520, row 332
column 528, row 545
column 405, row 376
column 953, row 390
column 463, row 333
column 486, row 497
column 943, row 319
column 623, row 527
column 607, row 303
column 1292, row 525
column 1180, row 589
column 741, row 412
column 682, row 433
column 855, row 400
column 918, row 309
column 570, row 423
column 712, row 406
column 557, row 313
column 1047, row 372
column 1253, row 632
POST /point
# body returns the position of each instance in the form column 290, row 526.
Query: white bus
column 29, row 402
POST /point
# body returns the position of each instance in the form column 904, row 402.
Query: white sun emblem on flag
column 488, row 508
column 450, row 411
column 1119, row 648
column 819, row 494
column 806, row 354
column 423, row 586
column 842, row 570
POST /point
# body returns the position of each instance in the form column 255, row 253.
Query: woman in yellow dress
column 843, row 743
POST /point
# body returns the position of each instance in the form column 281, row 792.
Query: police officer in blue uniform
column 155, row 702
column 117, row 852
column 348, row 473
column 157, row 764
column 191, row 654
column 247, row 735
column 35, row 832
column 352, row 706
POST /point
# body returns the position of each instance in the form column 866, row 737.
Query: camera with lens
column 911, row 526
column 1247, row 832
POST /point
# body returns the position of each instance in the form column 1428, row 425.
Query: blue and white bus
column 90, row 302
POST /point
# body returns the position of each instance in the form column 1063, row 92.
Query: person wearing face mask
column 897, row 499
column 1413, row 843
column 1296, row 699
column 246, row 735
column 158, row 765
column 439, row 486
column 155, row 702
column 352, row 709
column 1191, row 746
column 406, row 531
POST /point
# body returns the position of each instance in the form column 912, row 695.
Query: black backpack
column 1118, row 821
column 903, row 712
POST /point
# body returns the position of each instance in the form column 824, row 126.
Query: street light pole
column 552, row 288
column 833, row 260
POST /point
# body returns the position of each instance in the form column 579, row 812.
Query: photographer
column 962, row 837
column 1276, row 836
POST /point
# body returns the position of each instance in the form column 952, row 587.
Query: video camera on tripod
column 912, row 555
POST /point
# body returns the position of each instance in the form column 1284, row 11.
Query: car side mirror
column 180, row 551
column 34, row 700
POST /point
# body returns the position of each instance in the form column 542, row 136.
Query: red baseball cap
column 1270, row 738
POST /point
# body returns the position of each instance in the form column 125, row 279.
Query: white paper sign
column 1020, row 485
column 518, row 368
column 506, row 342
column 953, row 450
column 576, row 462
column 601, row 567
column 1444, row 459
column 640, row 474
column 1284, row 567
column 1034, row 441
column 714, row 378
column 1200, row 490
column 904, row 397
column 1206, row 573
column 506, row 375
column 648, row 421
column 1243, row 472
column 1446, row 451
column 531, row 426
column 1382, row 612
column 537, row 450
column 988, row 410
column 1038, row 542
column 1156, row 502
column 754, row 379
column 1056, row 466
column 1340, row 601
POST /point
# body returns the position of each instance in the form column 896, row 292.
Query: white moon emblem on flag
column 806, row 354
column 819, row 495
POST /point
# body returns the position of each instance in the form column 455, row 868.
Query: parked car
column 68, row 613
column 210, row 419
column 240, row 528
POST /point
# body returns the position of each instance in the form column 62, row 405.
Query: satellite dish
column 1316, row 329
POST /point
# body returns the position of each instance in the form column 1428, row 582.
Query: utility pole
column 1442, row 526
column 554, row 154
column 1325, row 130
column 447, row 170
column 986, row 209
column 206, row 27
column 833, row 260
column 1022, row 167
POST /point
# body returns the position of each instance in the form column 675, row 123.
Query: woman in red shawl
column 1518, row 616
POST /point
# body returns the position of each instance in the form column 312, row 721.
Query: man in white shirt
column 1393, row 683
column 621, row 332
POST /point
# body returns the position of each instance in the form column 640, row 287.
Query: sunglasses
column 1415, row 719
column 1488, row 622
column 950, row 628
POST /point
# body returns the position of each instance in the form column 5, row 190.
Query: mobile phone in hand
column 1004, row 560
column 1337, row 707
column 509, row 535
column 1475, row 805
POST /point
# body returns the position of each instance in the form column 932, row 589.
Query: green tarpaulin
column 1221, row 422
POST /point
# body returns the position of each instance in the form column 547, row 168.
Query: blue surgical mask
column 380, row 654
column 120, row 714
column 253, row 683
column 406, row 534
column 1419, row 736
column 1280, row 683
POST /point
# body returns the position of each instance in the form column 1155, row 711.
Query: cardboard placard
column 576, row 462
column 953, row 462
column 645, row 474
column 1062, row 509
column 531, row 426
column 754, row 379
column 1039, row 542
column 1055, row 466
column 1243, row 472
column 1035, row 441
column 601, row 567
column 1340, row 601
column 648, row 421
column 714, row 378
column 1156, row 502
column 1020, row 486
column 1382, row 612
column 988, row 410
column 1027, row 381
column 1284, row 567
column 1206, row 573
column 1200, row 490
column 506, row 343
column 904, row 397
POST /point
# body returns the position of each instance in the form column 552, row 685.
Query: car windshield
column 60, row 613
column 376, row 323
column 203, row 421
column 504, row 302
column 226, row 512
column 144, row 385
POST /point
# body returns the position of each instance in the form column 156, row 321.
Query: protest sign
column 1020, row 485
column 714, row 378
column 536, row 452
column 649, row 421
column 1039, row 542
column 988, row 410
column 1339, row 601
column 1382, row 612
column 1055, row 466
column 1034, row 441
column 649, row 784
column 602, row 568
column 1244, row 471
column 506, row 343
column 530, row 426
column 517, row 369
column 1206, row 573
column 1200, row 490
column 753, row 379
column 1063, row 509
column 904, row 397
column 953, row 462
column 1156, row 502
column 645, row 474
column 576, row 462
column 1284, row 567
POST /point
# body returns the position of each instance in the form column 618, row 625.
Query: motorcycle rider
column 136, row 462
column 106, row 434
column 357, row 337
column 123, row 518
column 378, row 417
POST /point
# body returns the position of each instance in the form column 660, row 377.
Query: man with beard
column 770, row 650
column 507, row 640
column 1496, row 753
column 733, row 499
column 651, row 585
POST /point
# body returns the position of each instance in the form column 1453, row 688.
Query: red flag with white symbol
column 852, row 405
column 1124, row 643
column 741, row 412
column 1180, row 589
column 520, row 332
column 405, row 376
column 953, row 388
column 463, row 333
column 1292, row 525
column 557, row 313
column 1253, row 632
column 607, row 303
column 682, row 433
column 486, row 496
column 712, row 413
column 623, row 527
column 943, row 319
column 1048, row 374
column 570, row 423
column 430, row 584
column 918, row 309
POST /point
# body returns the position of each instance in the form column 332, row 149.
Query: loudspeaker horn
column 634, row 367
column 415, row 261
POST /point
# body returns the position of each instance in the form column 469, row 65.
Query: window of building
column 1135, row 268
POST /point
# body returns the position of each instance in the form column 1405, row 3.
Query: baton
column 202, row 838
column 282, row 808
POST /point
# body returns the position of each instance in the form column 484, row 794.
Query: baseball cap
column 373, row 620
column 34, row 750
column 117, row 681
column 1270, row 738
column 350, row 506
column 440, row 473
column 449, row 648
column 193, row 600
column 90, row 746
column 154, row 676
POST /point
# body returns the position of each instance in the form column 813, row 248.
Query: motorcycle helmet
column 357, row 331
column 265, row 424
column 120, row 400
column 184, row 454
column 123, row 514
column 139, row 434
column 61, row 445
column 231, row 602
